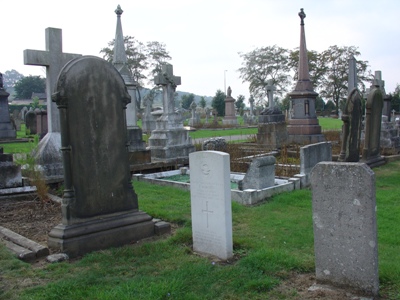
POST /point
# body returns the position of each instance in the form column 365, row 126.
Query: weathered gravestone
column 41, row 122
column 48, row 154
column 7, row 130
column 352, row 118
column 99, row 207
column 345, row 230
column 30, row 122
column 195, row 119
column 260, row 174
column 10, row 174
column 210, row 193
column 373, row 118
column 230, row 117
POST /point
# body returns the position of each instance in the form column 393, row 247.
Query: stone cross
column 352, row 79
column 53, row 59
column 193, row 106
column 169, row 82
column 381, row 83
column 270, row 93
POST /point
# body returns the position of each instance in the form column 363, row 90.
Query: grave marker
column 345, row 230
column 99, row 207
column 210, row 193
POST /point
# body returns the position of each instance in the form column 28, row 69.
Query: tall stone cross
column 48, row 155
column 169, row 82
column 352, row 80
column 270, row 93
column 53, row 59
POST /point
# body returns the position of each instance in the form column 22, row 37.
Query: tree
column 203, row 102
column 395, row 98
column 29, row 84
column 262, row 64
column 218, row 102
column 143, row 60
column 334, row 83
column 10, row 78
column 186, row 100
column 240, row 104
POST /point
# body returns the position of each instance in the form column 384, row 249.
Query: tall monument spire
column 303, row 82
column 119, row 59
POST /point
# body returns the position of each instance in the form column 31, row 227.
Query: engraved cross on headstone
column 270, row 93
column 53, row 59
column 169, row 82
column 207, row 211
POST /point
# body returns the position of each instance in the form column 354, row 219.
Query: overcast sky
column 203, row 37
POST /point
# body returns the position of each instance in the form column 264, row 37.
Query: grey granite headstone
column 99, row 207
column 345, row 230
column 48, row 154
column 352, row 118
column 373, row 119
column 260, row 174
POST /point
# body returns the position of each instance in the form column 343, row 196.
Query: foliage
column 186, row 100
column 334, row 83
column 10, row 78
column 239, row 103
column 143, row 60
column 35, row 103
column 262, row 64
column 284, row 104
column 218, row 102
column 29, row 84
column 395, row 98
column 203, row 102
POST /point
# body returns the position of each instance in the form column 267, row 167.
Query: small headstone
column 352, row 118
column 30, row 122
column 260, row 174
column 345, row 230
column 99, row 206
column 7, row 130
column 210, row 193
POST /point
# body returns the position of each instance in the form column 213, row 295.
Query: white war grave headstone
column 48, row 155
column 210, row 194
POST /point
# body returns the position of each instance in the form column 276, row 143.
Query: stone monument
column 303, row 126
column 230, row 117
column 271, row 123
column 373, row 119
column 148, row 120
column 7, row 130
column 169, row 142
column 99, row 206
column 194, row 120
column 345, row 229
column 48, row 154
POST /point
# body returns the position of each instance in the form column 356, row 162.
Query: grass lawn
column 330, row 123
column 271, row 241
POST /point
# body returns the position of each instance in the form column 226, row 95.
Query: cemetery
column 99, row 207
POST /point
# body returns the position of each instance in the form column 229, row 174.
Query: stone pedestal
column 230, row 117
column 170, row 141
column 273, row 135
column 304, row 131
column 10, row 174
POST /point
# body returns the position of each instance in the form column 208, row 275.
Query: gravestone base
column 139, row 157
column 230, row 121
column 10, row 174
column 102, row 233
column 135, row 140
column 277, row 118
column 48, row 158
column 148, row 124
column 374, row 162
column 169, row 144
column 7, row 132
column 272, row 134
column 306, row 139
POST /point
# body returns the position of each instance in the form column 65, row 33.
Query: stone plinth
column 304, row 131
column 230, row 118
column 10, row 174
column 278, row 118
column 272, row 135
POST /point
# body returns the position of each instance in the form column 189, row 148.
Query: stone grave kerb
column 169, row 82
